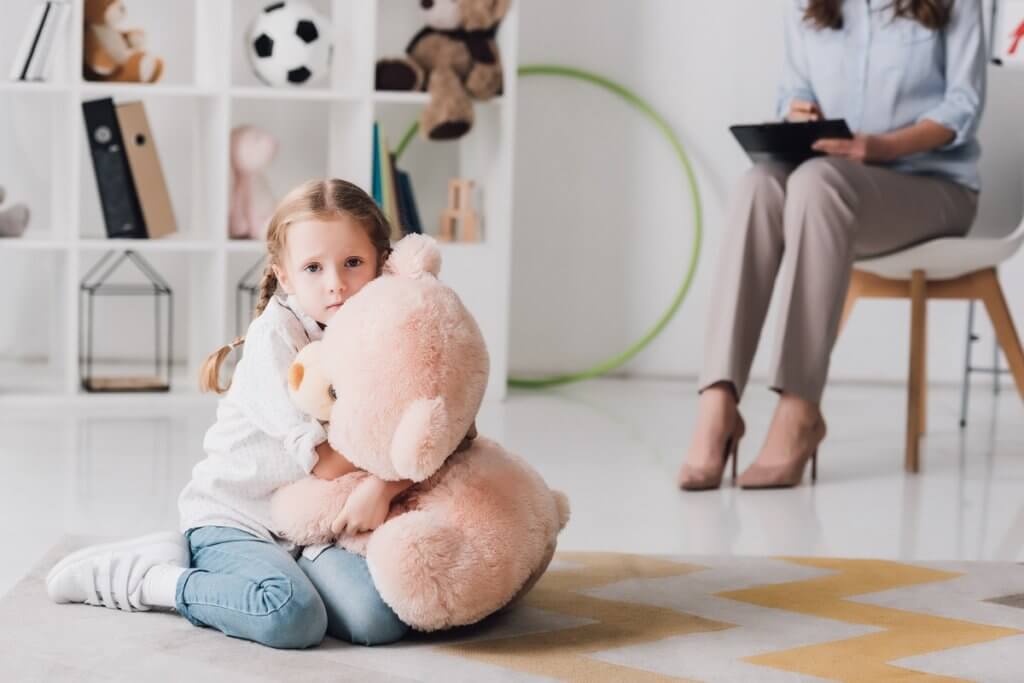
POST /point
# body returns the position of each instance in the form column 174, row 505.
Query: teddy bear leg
column 399, row 74
column 14, row 220
column 549, row 555
column 140, row 68
column 485, row 81
column 432, row 571
column 449, row 115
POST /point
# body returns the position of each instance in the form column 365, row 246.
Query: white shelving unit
column 207, row 88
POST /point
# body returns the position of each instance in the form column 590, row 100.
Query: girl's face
column 324, row 263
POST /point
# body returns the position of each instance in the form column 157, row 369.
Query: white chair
column 946, row 268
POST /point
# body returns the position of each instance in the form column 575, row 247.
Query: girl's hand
column 861, row 148
column 366, row 508
column 802, row 110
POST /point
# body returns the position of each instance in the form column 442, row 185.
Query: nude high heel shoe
column 788, row 475
column 703, row 479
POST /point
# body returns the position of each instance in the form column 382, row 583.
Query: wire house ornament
column 246, row 292
column 96, row 285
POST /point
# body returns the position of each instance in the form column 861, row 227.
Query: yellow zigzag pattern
column 563, row 654
column 864, row 658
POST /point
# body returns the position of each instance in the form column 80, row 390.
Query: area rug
column 594, row 617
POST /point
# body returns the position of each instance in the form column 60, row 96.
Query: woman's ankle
column 804, row 413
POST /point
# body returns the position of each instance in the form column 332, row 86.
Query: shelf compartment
column 33, row 160
column 191, row 143
column 33, row 350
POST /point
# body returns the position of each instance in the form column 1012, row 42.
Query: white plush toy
column 13, row 219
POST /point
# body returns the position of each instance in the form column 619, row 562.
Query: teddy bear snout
column 295, row 373
column 426, row 4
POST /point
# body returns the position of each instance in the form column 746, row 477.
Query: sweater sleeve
column 260, row 389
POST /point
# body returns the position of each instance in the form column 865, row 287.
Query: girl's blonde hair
column 313, row 200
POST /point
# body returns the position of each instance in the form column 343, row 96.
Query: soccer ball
column 289, row 43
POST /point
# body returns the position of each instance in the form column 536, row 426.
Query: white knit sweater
column 260, row 440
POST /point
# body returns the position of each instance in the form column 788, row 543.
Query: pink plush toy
column 252, row 203
column 400, row 375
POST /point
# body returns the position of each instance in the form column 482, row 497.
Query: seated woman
column 909, row 76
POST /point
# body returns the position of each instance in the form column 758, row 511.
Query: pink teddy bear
column 400, row 375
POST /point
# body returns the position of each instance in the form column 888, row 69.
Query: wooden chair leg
column 922, row 395
column 852, row 294
column 918, row 304
column 1006, row 333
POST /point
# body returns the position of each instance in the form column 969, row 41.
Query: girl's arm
column 260, row 391
column 368, row 505
column 330, row 463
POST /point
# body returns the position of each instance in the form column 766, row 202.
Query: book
column 147, row 174
column 398, row 225
column 390, row 203
column 410, row 211
column 29, row 42
column 378, row 195
column 119, row 200
column 53, row 28
column 35, row 52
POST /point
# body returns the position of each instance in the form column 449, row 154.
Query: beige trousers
column 810, row 223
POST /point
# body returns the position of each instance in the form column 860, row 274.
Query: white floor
column 613, row 446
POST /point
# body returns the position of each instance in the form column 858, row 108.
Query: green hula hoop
column 698, row 220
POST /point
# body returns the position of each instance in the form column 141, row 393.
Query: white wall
column 603, row 220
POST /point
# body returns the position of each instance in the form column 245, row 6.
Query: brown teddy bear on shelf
column 113, row 53
column 455, row 57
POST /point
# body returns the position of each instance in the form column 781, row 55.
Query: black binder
column 785, row 141
column 119, row 199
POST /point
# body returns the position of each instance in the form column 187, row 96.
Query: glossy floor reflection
column 614, row 446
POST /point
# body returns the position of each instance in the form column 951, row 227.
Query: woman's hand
column 802, row 110
column 860, row 147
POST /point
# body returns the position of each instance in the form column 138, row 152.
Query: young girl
column 326, row 240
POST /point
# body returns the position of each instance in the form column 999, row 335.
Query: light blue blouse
column 881, row 72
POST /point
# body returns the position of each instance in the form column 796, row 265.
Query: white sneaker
column 111, row 574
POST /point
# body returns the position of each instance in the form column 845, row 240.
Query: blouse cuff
column 302, row 441
column 952, row 117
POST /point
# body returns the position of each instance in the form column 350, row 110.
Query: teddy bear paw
column 397, row 74
column 150, row 69
column 449, row 130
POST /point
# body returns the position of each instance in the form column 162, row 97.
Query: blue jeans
column 249, row 587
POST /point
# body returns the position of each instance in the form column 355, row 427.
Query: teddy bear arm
column 98, row 59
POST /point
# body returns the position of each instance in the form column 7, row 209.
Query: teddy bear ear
column 413, row 256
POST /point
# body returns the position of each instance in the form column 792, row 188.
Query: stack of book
column 43, row 33
column 133, row 193
column 392, row 190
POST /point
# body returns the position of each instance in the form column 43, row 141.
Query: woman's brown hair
column 313, row 200
column 933, row 14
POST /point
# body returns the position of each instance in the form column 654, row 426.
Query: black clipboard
column 786, row 141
